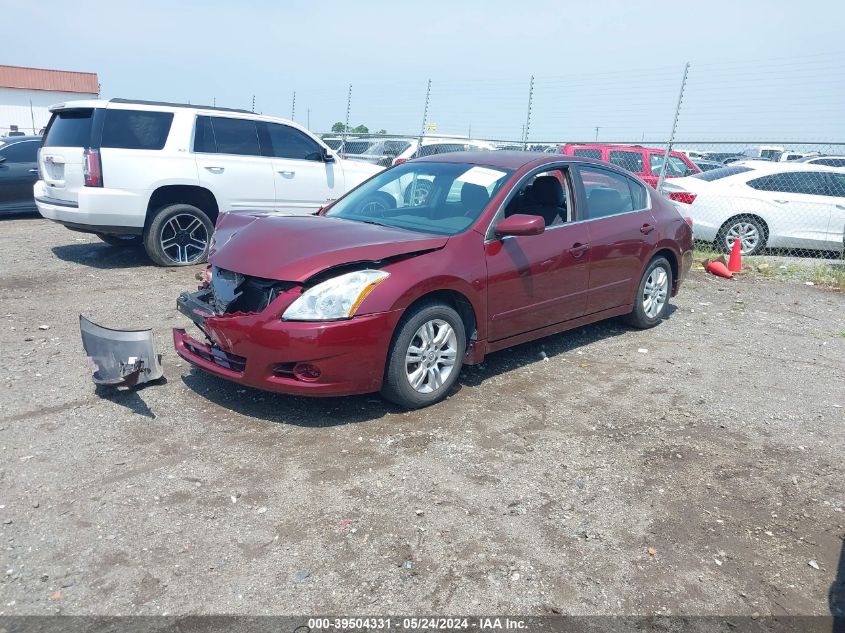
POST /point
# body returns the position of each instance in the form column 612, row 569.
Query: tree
column 338, row 127
column 382, row 131
column 361, row 129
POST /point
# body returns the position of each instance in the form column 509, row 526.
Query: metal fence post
column 674, row 129
column 425, row 117
column 293, row 107
column 528, row 115
column 346, row 127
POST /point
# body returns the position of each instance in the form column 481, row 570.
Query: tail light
column 684, row 197
column 93, row 168
column 399, row 161
column 688, row 220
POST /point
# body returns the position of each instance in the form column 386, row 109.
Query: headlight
column 336, row 298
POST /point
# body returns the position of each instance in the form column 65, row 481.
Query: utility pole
column 425, row 116
column 253, row 103
column 674, row 129
column 308, row 124
column 597, row 132
column 527, row 127
column 214, row 101
column 293, row 107
column 32, row 116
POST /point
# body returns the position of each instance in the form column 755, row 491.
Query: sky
column 767, row 70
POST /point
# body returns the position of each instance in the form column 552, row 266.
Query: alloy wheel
column 655, row 292
column 184, row 238
column 431, row 356
column 748, row 235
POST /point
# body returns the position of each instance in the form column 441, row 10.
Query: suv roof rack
column 179, row 105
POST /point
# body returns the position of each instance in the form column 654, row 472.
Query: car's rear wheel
column 652, row 301
column 416, row 194
column 377, row 204
column 178, row 235
column 748, row 229
column 425, row 357
column 121, row 241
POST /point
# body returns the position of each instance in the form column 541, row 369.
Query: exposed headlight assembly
column 336, row 298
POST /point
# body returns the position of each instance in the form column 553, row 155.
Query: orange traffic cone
column 735, row 262
column 717, row 268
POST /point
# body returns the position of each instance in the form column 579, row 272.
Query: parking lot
column 694, row 468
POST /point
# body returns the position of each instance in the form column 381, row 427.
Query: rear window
column 70, row 128
column 722, row 172
column 136, row 129
column 632, row 161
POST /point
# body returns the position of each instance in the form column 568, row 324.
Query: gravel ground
column 578, row 474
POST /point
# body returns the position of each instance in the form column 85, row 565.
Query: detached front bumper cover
column 120, row 357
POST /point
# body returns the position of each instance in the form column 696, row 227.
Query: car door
column 18, row 174
column 304, row 182
column 621, row 234
column 538, row 280
column 797, row 208
column 230, row 164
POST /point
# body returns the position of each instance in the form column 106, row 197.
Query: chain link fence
column 756, row 152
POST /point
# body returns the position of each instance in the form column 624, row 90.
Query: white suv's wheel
column 178, row 235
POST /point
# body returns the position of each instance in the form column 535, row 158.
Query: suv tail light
column 684, row 197
column 399, row 161
column 93, row 168
column 688, row 220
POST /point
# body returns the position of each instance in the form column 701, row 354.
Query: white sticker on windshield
column 483, row 176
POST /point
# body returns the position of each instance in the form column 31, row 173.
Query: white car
column 160, row 174
column 828, row 161
column 441, row 145
column 764, row 204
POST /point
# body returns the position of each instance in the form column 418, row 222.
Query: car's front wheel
column 425, row 357
column 749, row 230
column 178, row 235
column 652, row 300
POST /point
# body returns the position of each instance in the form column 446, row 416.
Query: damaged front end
column 229, row 293
column 120, row 358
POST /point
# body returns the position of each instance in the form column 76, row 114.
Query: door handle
column 578, row 250
column 215, row 169
column 839, row 206
column 645, row 229
column 33, row 171
column 781, row 201
column 286, row 172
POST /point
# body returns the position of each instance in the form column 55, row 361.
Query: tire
column 377, row 204
column 121, row 241
column 178, row 235
column 421, row 193
column 652, row 300
column 752, row 231
column 411, row 334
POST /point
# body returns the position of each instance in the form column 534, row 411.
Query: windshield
column 441, row 198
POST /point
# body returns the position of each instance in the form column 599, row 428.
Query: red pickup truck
column 645, row 162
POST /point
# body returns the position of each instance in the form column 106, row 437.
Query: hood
column 294, row 248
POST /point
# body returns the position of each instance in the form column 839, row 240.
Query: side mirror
column 521, row 224
column 327, row 156
column 2, row 159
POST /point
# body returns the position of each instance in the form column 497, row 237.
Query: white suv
column 161, row 173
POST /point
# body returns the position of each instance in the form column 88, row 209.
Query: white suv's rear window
column 70, row 128
column 136, row 129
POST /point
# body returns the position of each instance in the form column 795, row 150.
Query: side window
column 836, row 185
column 23, row 152
column 136, row 129
column 588, row 153
column 632, row 161
column 608, row 193
column 288, row 142
column 546, row 194
column 803, row 182
column 204, row 136
column 236, row 136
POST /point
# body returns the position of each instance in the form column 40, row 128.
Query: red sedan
column 429, row 266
